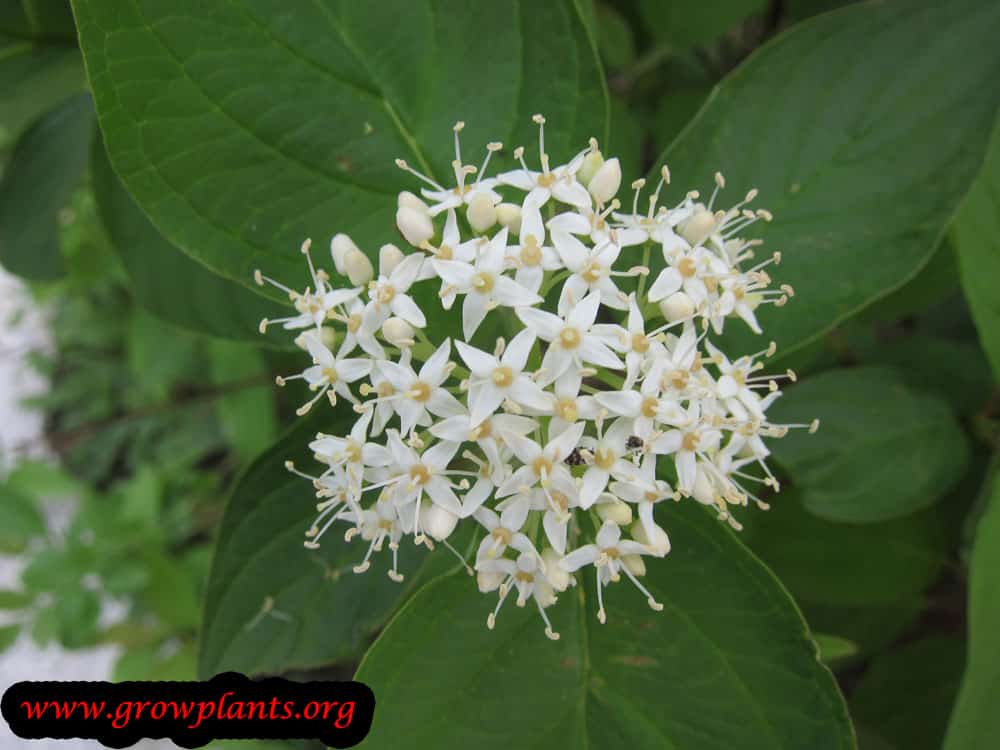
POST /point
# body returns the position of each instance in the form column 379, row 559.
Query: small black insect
column 574, row 458
column 634, row 441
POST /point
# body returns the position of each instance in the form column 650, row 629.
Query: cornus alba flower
column 577, row 390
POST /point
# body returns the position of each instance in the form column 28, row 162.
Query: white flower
column 609, row 450
column 415, row 395
column 503, row 530
column 329, row 374
column 423, row 473
column 559, row 183
column 607, row 557
column 532, row 257
column 389, row 292
column 591, row 272
column 496, row 379
column 571, row 340
column 483, row 283
column 540, row 465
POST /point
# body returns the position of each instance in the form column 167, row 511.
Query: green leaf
column 168, row 283
column 76, row 610
column 244, row 128
column 906, row 694
column 34, row 78
column 975, row 723
column 271, row 604
column 689, row 23
column 160, row 355
column 846, row 564
column 43, row 479
column 20, row 519
column 883, row 449
column 615, row 39
column 43, row 171
column 8, row 635
column 248, row 413
column 870, row 628
column 862, row 160
column 729, row 640
column 170, row 593
column 976, row 234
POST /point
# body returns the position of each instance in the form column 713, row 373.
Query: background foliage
column 145, row 178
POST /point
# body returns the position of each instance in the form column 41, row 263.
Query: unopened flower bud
column 389, row 256
column 659, row 544
column 616, row 511
column 438, row 522
column 408, row 199
column 415, row 226
column 702, row 490
column 557, row 576
column 358, row 267
column 697, row 226
column 489, row 580
column 606, row 181
column 509, row 215
column 481, row 213
column 678, row 306
column 340, row 246
column 591, row 163
column 398, row 332
column 635, row 564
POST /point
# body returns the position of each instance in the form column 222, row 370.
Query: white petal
column 570, row 221
column 404, row 306
column 473, row 312
column 455, row 272
column 625, row 403
column 439, row 455
column 519, row 178
column 668, row 282
column 509, row 293
column 432, row 371
column 585, row 312
column 406, row 272
column 544, row 324
column 479, row 362
column 518, row 349
column 592, row 350
column 555, row 531
column 572, row 193
column 483, row 402
column 350, row 370
column 579, row 557
column 573, row 252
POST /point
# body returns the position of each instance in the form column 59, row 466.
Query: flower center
column 354, row 322
column 353, row 451
column 330, row 375
column 649, row 407
column 678, row 379
column 445, row 252
column 640, row 343
column 483, row 282
column 503, row 377
column 604, row 458
column 610, row 552
column 386, row 293
column 690, row 441
column 420, row 391
column 502, row 535
column 419, row 474
column 650, row 497
column 384, row 389
column 569, row 338
column 484, row 430
column 592, row 272
column 542, row 465
column 522, row 576
column 686, row 267
column 566, row 409
column 546, row 180
column 560, row 500
column 531, row 254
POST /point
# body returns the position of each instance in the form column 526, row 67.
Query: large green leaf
column 861, row 159
column 273, row 605
column 242, row 128
column 883, row 449
column 847, row 565
column 51, row 20
column 727, row 664
column 43, row 171
column 168, row 283
column 975, row 723
column 977, row 237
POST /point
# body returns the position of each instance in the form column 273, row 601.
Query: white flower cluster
column 559, row 439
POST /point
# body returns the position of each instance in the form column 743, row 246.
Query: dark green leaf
column 729, row 641
column 906, row 695
column 883, row 449
column 42, row 479
column 871, row 628
column 689, row 23
column 168, row 283
column 977, row 237
column 975, row 723
column 833, row 648
column 243, row 128
column 170, row 593
column 846, row 564
column 10, row 599
column 862, row 160
column 43, row 171
column 50, row 20
column 76, row 610
column 615, row 39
